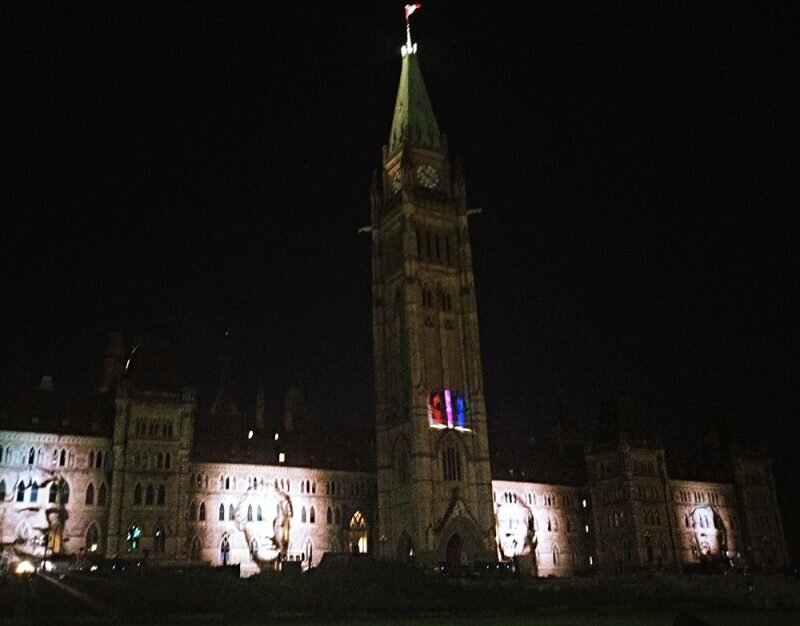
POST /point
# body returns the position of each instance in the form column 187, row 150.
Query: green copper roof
column 413, row 122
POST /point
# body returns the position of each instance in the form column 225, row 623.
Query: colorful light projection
column 447, row 409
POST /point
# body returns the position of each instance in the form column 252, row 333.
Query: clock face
column 397, row 181
column 427, row 176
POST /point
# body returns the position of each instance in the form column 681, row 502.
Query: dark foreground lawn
column 389, row 595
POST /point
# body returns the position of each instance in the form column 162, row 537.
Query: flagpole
column 409, row 47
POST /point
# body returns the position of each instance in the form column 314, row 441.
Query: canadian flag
column 410, row 8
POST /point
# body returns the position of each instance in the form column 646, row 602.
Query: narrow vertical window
column 90, row 494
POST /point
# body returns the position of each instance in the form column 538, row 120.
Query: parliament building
column 136, row 469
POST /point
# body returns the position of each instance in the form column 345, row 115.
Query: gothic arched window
column 92, row 538
column 196, row 549
column 159, row 540
column 90, row 494
column 451, row 463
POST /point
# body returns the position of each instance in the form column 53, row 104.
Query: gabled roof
column 413, row 123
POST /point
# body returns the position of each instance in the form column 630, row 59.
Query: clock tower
column 434, row 479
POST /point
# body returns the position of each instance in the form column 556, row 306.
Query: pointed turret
column 225, row 405
column 414, row 123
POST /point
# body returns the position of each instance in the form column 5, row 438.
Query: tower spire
column 413, row 122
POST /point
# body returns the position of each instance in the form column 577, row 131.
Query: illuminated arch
column 224, row 550
column 357, row 533
column 92, row 538
column 133, row 537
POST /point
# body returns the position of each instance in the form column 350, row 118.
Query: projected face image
column 514, row 530
column 265, row 518
column 33, row 515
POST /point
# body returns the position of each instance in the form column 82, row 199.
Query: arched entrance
column 224, row 550
column 405, row 549
column 455, row 554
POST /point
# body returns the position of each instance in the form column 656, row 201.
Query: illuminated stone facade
column 629, row 516
column 142, row 489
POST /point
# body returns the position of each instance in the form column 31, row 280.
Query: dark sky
column 192, row 168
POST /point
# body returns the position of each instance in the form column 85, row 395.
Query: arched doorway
column 405, row 549
column 455, row 555
column 224, row 550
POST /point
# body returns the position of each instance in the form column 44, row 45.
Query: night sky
column 193, row 169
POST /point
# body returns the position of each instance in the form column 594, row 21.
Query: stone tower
column 434, row 478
